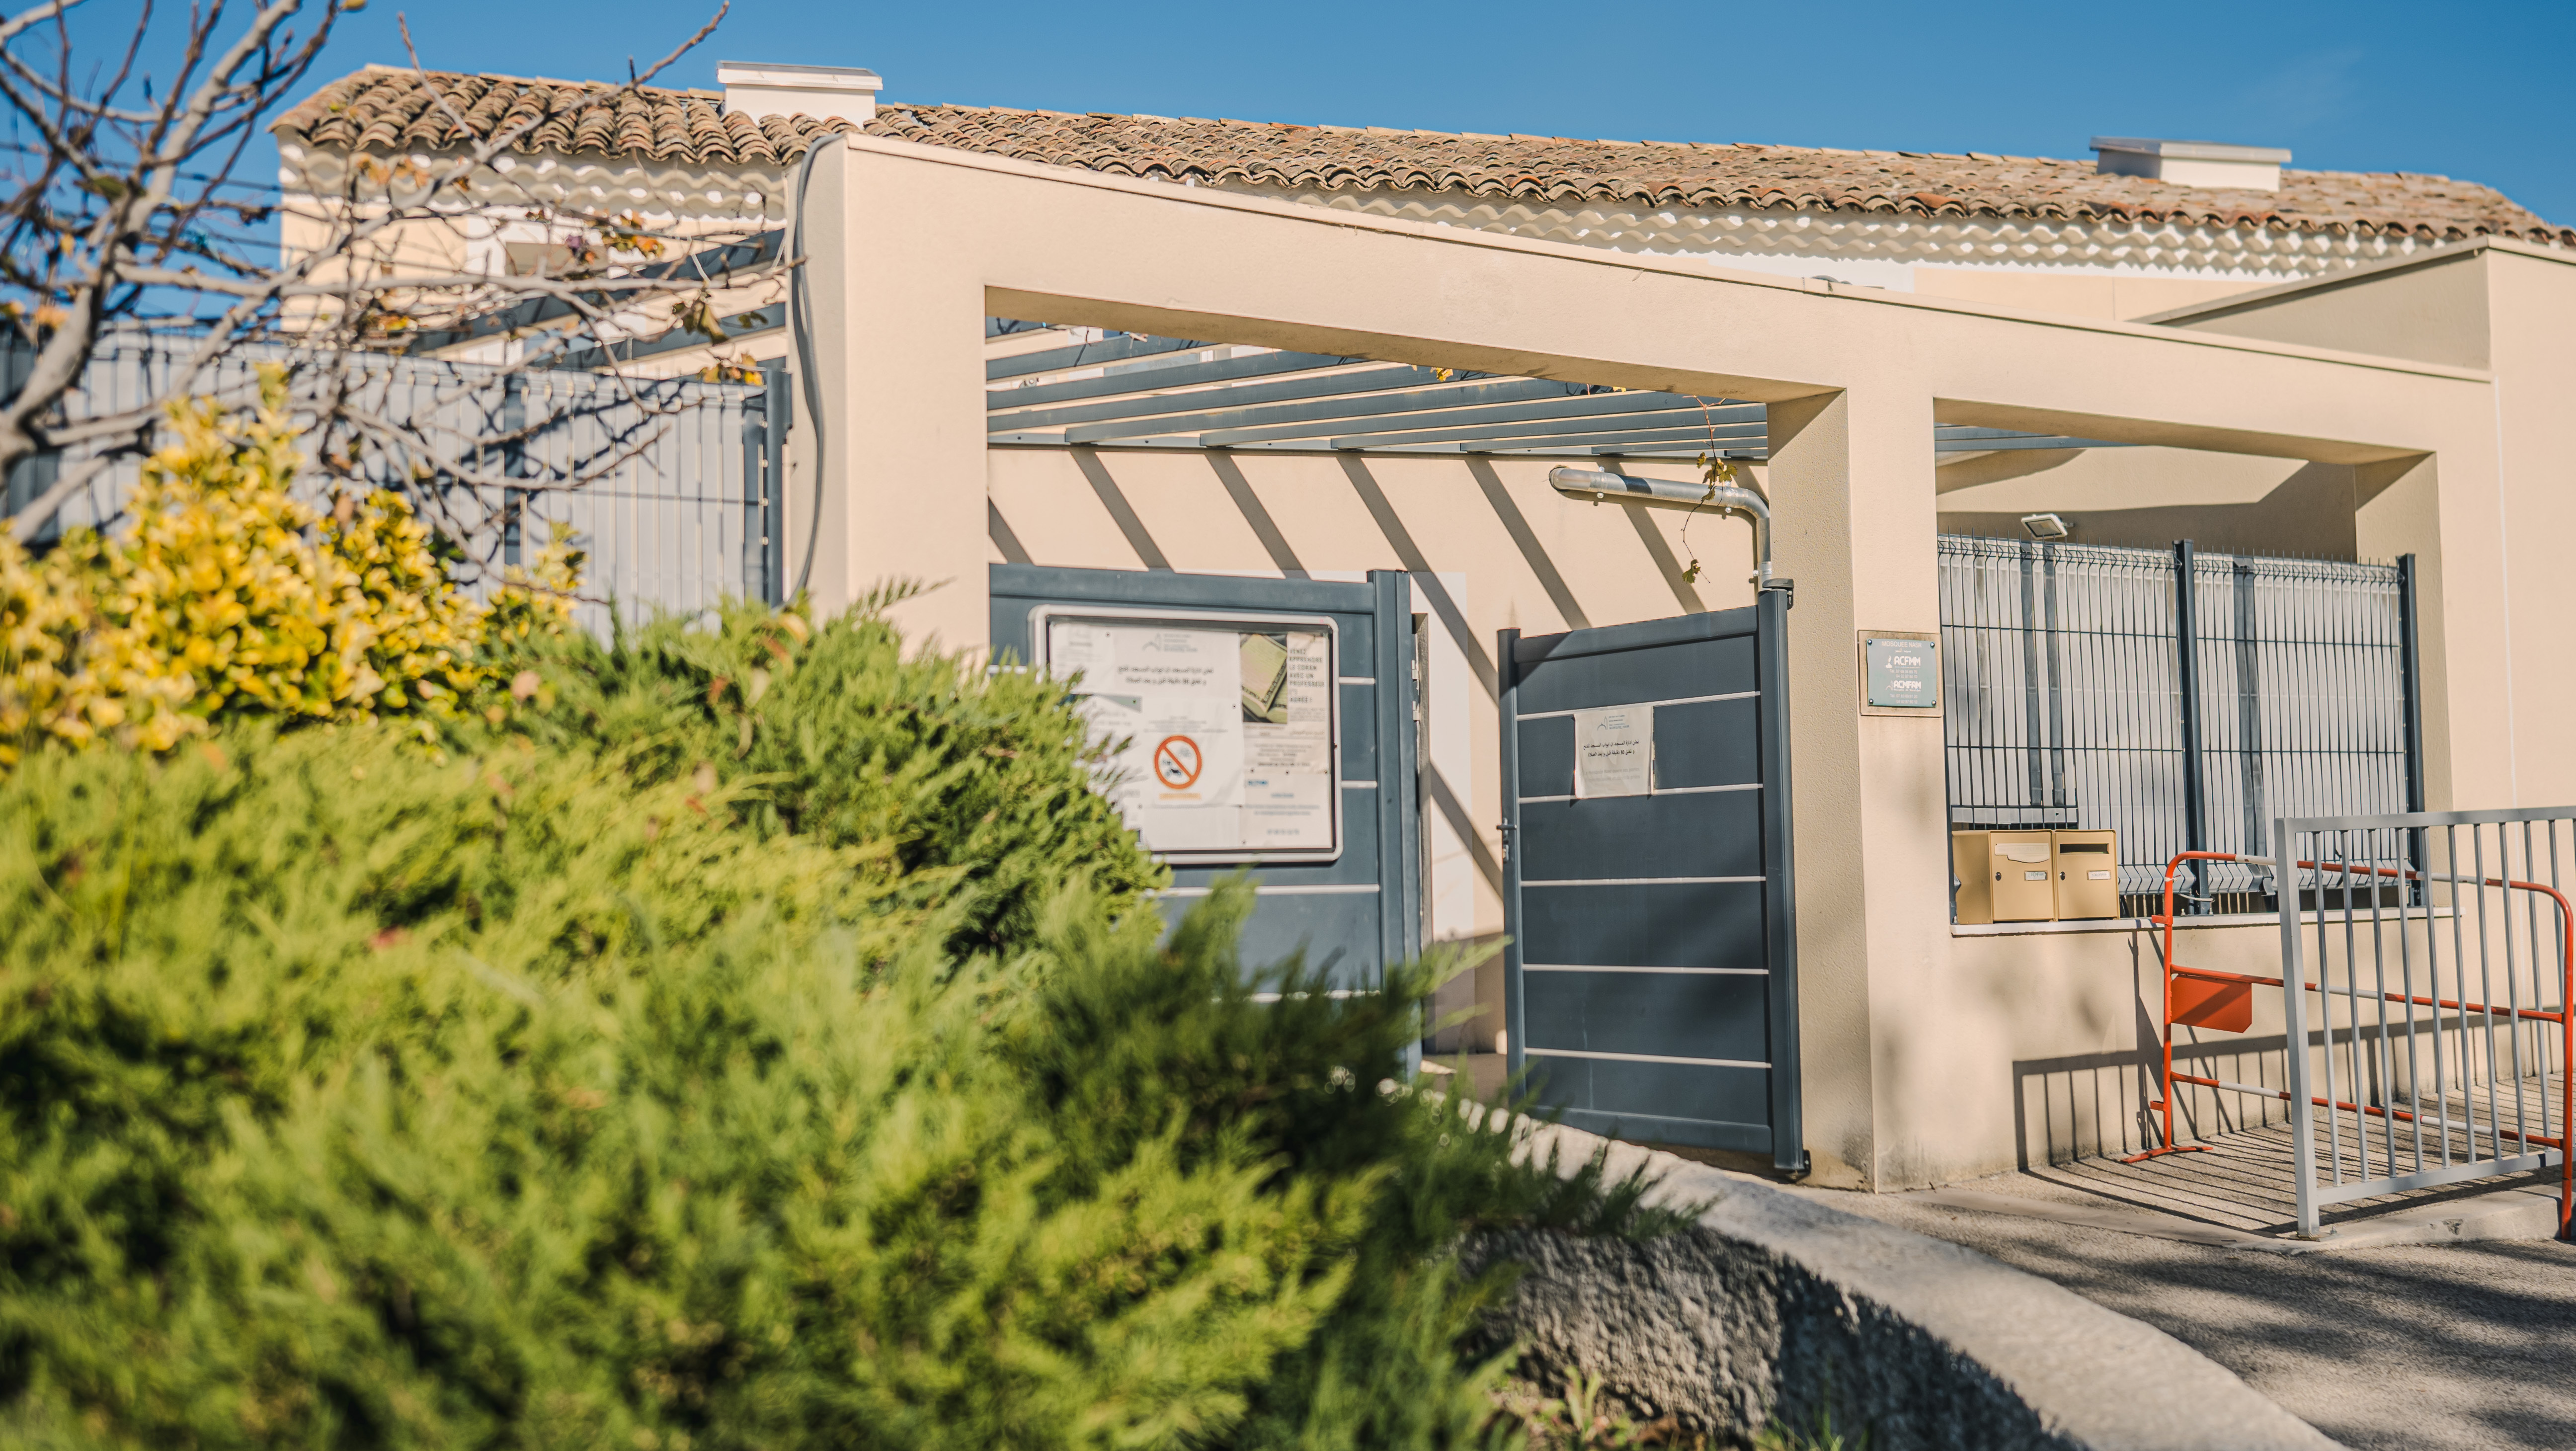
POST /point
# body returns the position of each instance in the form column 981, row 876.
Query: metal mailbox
column 2088, row 874
column 2006, row 876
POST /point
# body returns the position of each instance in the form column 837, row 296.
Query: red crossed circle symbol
column 1177, row 763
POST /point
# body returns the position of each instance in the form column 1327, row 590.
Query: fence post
column 1515, row 1003
column 2410, row 681
column 514, row 462
column 2195, row 823
column 779, row 412
column 755, row 500
column 2294, row 1018
column 1779, row 884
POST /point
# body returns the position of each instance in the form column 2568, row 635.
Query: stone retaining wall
column 1774, row 1310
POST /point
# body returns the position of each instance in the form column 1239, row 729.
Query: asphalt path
column 2419, row 1346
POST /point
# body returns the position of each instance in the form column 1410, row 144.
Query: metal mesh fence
column 2063, row 699
column 2303, row 697
column 675, row 509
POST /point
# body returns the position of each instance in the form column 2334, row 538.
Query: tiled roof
column 1553, row 171
column 381, row 108
column 385, row 108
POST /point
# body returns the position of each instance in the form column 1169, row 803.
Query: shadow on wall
column 2095, row 1105
column 2309, row 513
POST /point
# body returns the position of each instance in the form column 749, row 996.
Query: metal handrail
column 2564, row 1016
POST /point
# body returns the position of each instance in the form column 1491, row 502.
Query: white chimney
column 2192, row 163
column 827, row 91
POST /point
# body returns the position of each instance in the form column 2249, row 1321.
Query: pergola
column 1152, row 392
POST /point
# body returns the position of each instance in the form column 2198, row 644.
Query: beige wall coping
column 2362, row 273
column 1637, row 262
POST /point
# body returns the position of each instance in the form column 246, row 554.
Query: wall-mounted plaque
column 1900, row 673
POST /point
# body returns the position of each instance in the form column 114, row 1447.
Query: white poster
column 1288, row 781
column 1228, row 732
column 1614, row 751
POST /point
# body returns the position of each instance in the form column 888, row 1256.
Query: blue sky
column 2483, row 92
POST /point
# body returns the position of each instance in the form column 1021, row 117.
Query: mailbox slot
column 2087, row 871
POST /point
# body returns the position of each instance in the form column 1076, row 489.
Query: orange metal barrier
column 2224, row 1001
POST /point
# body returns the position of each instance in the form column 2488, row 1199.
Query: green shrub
column 549, row 1096
column 736, row 1034
column 985, row 783
column 1141, row 1038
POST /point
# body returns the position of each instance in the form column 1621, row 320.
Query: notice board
column 1224, row 732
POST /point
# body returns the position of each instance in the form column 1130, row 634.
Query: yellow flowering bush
column 536, row 600
column 229, row 596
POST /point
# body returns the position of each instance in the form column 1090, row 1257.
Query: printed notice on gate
column 1614, row 751
column 1228, row 732
column 1287, row 740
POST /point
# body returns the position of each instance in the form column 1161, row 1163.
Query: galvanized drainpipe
column 1596, row 485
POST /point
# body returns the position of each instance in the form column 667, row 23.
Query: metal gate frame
column 1299, row 901
column 2367, row 875
column 1767, row 622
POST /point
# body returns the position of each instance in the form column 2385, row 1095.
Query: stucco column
column 899, row 324
column 2532, row 301
column 2397, row 509
column 1852, row 495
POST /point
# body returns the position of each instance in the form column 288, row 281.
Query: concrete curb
column 2517, row 1213
column 1775, row 1310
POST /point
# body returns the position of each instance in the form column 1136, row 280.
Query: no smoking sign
column 1177, row 763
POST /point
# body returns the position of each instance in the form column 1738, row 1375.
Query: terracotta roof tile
column 383, row 108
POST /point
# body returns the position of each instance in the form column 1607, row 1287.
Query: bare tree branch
column 114, row 217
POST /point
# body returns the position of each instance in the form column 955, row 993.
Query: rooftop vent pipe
column 1596, row 485
column 2191, row 163
column 830, row 92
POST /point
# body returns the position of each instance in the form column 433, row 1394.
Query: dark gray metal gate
column 1358, row 908
column 1651, row 975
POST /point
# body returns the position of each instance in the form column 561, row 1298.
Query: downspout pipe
column 1596, row 485
column 800, row 331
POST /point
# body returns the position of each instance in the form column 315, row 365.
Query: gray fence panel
column 2060, row 692
column 1650, row 949
column 668, row 525
column 2062, row 700
column 1361, row 912
column 2302, row 698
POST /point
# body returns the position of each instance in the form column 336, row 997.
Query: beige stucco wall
column 2111, row 296
column 2149, row 497
column 1523, row 557
column 2099, row 267
column 2532, row 321
column 525, row 199
column 2434, row 308
column 1924, row 1049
